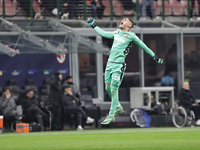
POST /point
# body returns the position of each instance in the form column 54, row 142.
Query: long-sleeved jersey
column 122, row 43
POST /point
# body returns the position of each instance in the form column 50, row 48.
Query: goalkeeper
column 114, row 72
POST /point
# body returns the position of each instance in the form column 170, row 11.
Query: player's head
column 126, row 23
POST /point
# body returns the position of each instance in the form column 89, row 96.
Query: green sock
column 108, row 90
column 115, row 99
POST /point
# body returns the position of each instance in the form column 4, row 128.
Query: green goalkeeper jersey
column 122, row 43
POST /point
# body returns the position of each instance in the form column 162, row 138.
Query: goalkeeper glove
column 91, row 22
column 158, row 60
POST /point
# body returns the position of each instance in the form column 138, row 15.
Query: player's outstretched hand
column 158, row 60
column 91, row 22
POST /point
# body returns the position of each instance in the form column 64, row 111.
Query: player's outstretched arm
column 91, row 22
column 143, row 46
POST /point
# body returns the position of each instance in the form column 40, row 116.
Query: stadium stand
column 17, row 9
column 167, row 7
column 10, row 8
column 118, row 8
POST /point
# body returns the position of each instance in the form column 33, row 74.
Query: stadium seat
column 10, row 9
column 44, row 103
column 167, row 7
column 184, row 6
column 177, row 7
column 69, row 118
column 196, row 5
column 47, row 81
column 15, row 91
column 44, row 92
column 47, row 87
column 12, row 82
column 43, row 99
column 22, row 92
column 29, row 82
column 118, row 8
column 157, row 9
column 106, row 3
column 90, row 109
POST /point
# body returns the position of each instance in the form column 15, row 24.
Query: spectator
column 128, row 7
column 192, row 8
column 188, row 101
column 69, row 102
column 25, row 5
column 91, row 9
column 144, row 8
column 167, row 80
column 54, row 98
column 9, row 107
column 49, row 5
column 69, row 82
column 31, row 108
column 67, row 8
column 99, row 8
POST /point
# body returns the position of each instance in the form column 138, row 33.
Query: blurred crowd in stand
column 74, row 9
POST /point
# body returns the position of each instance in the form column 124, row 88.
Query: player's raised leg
column 114, row 92
column 114, row 87
column 108, row 78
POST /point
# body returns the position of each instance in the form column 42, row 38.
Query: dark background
column 30, row 66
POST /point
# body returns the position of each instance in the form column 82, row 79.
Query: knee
column 115, row 86
column 107, row 88
column 79, row 115
column 79, row 109
column 115, row 83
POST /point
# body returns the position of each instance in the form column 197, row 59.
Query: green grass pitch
column 186, row 138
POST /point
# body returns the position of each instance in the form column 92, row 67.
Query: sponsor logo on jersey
column 119, row 39
column 127, row 35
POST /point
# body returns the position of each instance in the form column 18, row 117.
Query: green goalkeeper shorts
column 115, row 71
